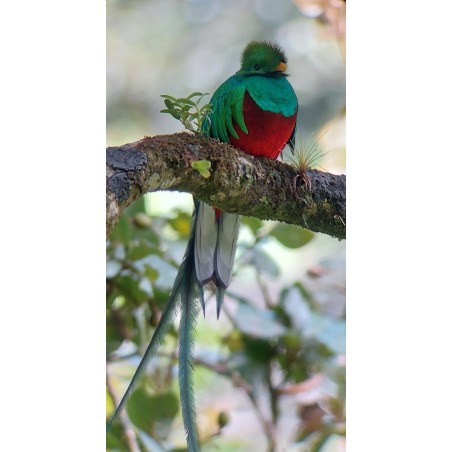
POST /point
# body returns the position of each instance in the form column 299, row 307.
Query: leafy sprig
column 187, row 110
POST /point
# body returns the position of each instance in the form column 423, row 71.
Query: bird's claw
column 305, row 180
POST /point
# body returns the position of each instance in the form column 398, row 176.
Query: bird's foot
column 305, row 180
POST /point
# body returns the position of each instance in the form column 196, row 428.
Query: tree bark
column 238, row 183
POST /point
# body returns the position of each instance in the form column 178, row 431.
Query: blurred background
column 270, row 374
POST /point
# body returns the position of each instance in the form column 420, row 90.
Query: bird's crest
column 263, row 58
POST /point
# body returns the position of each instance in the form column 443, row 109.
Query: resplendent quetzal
column 254, row 110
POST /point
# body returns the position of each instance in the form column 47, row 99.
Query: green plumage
column 261, row 82
column 263, row 53
column 273, row 94
column 227, row 106
column 267, row 86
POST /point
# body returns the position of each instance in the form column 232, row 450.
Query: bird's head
column 263, row 58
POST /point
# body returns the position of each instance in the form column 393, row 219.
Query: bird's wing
column 227, row 109
column 291, row 141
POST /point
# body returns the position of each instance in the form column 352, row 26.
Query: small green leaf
column 174, row 113
column 181, row 223
column 151, row 273
column 253, row 223
column 202, row 166
column 166, row 96
column 169, row 104
column 116, row 438
column 129, row 287
column 259, row 351
column 141, row 250
column 144, row 408
column 186, row 101
column 197, row 94
column 292, row 236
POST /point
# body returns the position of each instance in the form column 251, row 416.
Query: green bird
column 256, row 111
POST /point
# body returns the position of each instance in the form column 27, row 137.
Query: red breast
column 268, row 132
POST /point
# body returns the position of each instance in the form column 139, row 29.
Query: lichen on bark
column 239, row 183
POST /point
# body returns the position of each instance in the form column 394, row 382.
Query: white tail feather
column 228, row 232
column 215, row 245
column 206, row 235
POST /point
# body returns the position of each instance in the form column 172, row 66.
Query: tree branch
column 238, row 183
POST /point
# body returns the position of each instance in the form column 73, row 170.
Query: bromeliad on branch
column 256, row 111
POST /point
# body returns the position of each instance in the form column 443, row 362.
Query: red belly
column 268, row 132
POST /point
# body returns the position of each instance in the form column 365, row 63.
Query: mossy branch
column 238, row 183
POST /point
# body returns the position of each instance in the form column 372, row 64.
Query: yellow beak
column 281, row 67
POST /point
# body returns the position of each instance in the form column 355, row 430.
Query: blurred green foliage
column 275, row 360
column 269, row 348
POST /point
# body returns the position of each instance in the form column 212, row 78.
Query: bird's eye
column 257, row 67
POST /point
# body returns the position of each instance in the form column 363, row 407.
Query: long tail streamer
column 191, row 296
column 188, row 293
